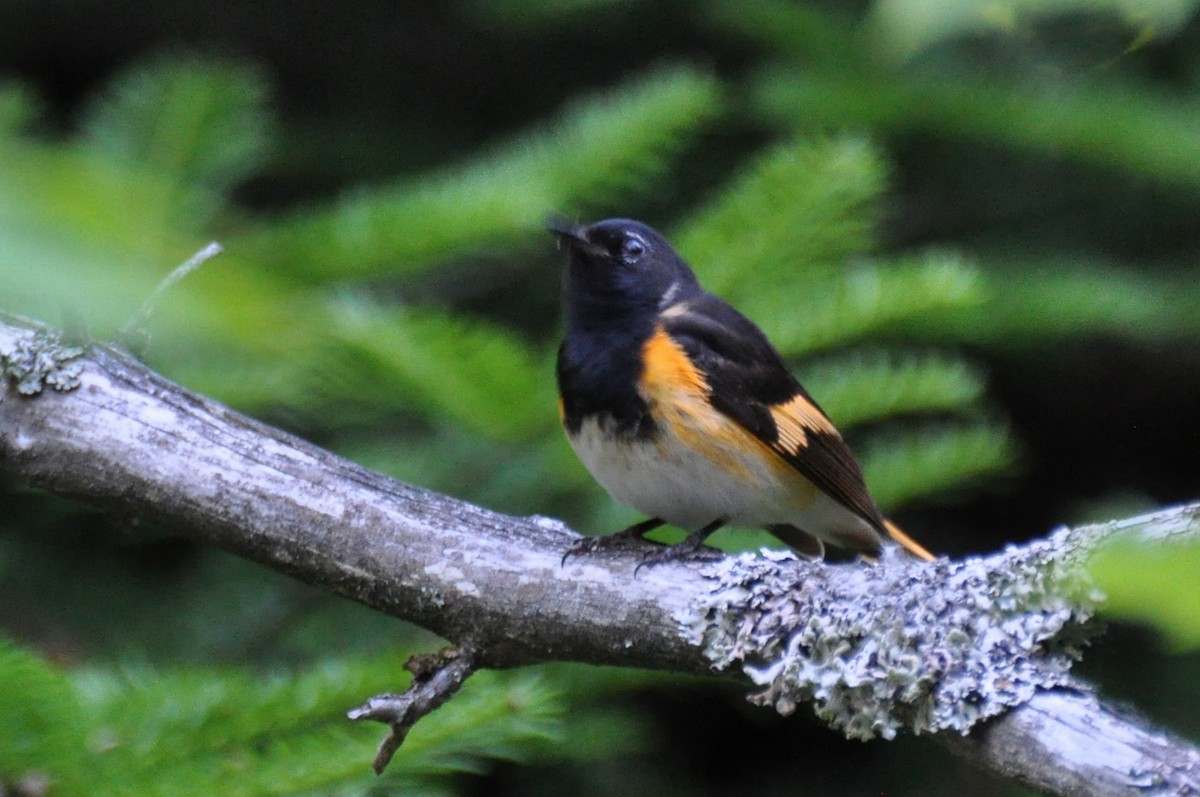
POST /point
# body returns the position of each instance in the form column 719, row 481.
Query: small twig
column 132, row 330
column 436, row 677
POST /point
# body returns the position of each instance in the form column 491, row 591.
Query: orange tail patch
column 909, row 544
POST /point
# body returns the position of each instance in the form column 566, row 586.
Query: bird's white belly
column 690, row 487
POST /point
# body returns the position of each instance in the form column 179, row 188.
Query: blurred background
column 972, row 227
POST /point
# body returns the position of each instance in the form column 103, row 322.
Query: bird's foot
column 685, row 551
column 622, row 540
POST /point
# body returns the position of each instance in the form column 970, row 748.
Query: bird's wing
column 749, row 382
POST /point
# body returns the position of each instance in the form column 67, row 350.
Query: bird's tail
column 908, row 543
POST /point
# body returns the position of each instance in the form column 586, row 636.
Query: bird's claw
column 686, row 551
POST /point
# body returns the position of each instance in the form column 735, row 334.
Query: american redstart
column 681, row 408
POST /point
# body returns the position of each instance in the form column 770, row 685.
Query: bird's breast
column 598, row 378
column 698, row 465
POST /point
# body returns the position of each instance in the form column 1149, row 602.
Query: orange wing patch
column 808, row 441
column 795, row 420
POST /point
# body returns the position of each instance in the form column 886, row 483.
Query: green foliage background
column 962, row 225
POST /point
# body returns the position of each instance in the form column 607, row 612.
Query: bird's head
column 620, row 266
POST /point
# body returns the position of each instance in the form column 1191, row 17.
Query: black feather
column 598, row 376
column 747, row 378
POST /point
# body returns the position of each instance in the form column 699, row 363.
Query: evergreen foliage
column 1151, row 585
column 35, row 702
column 404, row 324
column 594, row 153
column 198, row 122
column 141, row 730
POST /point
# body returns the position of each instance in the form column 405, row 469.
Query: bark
column 974, row 653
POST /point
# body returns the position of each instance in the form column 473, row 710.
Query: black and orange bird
column 680, row 407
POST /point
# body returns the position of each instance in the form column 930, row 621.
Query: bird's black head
column 620, row 269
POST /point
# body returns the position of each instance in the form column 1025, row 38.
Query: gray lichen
column 39, row 360
column 900, row 644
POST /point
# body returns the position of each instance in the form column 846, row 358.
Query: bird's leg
column 690, row 547
column 623, row 538
column 639, row 530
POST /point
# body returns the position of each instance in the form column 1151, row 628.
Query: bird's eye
column 632, row 248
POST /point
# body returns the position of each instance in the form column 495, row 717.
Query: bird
column 680, row 407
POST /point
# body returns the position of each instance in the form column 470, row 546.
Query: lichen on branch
column 39, row 360
column 901, row 644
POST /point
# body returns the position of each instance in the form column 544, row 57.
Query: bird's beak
column 573, row 235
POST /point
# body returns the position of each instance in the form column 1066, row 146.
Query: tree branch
column 979, row 647
column 436, row 678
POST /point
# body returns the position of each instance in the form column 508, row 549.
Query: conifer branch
column 974, row 653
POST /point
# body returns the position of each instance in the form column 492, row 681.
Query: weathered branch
column 436, row 677
column 945, row 648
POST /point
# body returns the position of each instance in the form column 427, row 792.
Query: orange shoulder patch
column 795, row 420
column 666, row 369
